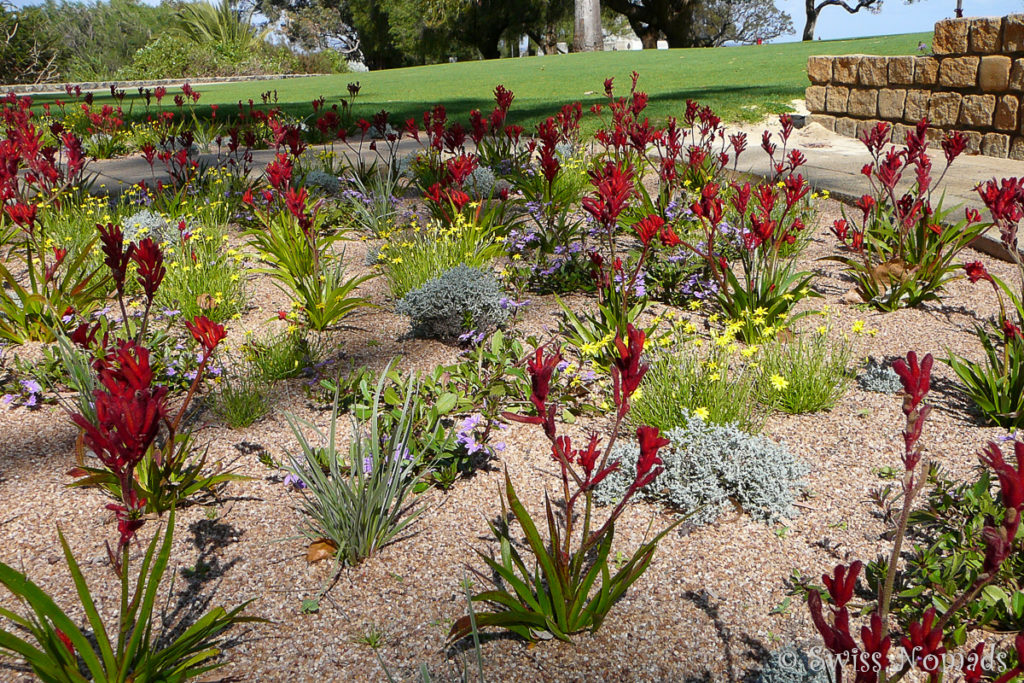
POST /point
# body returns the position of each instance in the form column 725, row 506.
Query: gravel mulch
column 706, row 609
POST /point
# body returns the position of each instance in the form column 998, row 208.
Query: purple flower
column 294, row 481
column 367, row 465
column 31, row 386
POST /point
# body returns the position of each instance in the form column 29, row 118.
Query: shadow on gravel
column 195, row 599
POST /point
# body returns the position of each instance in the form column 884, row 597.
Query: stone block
column 844, row 69
column 950, row 37
column 994, row 73
column 901, row 70
column 1013, row 33
column 917, row 105
column 926, row 70
column 873, row 72
column 846, row 126
column 819, row 70
column 973, row 141
column 985, row 35
column 1007, row 113
column 995, row 145
column 1017, row 148
column 865, row 127
column 814, row 98
column 899, row 133
column 891, row 104
column 825, row 121
column 836, row 97
column 944, row 109
column 863, row 103
column 1017, row 76
column 977, row 111
column 959, row 72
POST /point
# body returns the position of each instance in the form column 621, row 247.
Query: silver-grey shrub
column 878, row 376
column 790, row 664
column 460, row 300
column 327, row 183
column 147, row 223
column 706, row 467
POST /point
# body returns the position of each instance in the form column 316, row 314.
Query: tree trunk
column 649, row 40
column 812, row 20
column 587, row 35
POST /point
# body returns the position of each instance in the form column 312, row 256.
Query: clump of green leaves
column 691, row 377
column 241, row 396
column 56, row 648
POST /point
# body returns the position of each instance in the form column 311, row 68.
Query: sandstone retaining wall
column 974, row 82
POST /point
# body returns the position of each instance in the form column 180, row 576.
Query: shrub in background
column 707, row 466
column 461, row 300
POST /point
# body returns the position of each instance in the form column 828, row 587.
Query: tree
column 26, row 56
column 739, row 21
column 587, row 36
column 654, row 19
column 813, row 10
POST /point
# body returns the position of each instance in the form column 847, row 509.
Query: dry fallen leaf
column 320, row 550
column 206, row 301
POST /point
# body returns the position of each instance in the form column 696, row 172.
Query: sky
column 896, row 16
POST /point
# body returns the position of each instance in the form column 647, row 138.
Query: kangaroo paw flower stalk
column 576, row 588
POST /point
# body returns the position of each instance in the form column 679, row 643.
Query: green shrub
column 686, row 379
column 203, row 278
column 412, row 257
column 169, row 56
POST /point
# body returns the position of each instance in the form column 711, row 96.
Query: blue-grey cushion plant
column 707, row 466
column 357, row 504
column 460, row 300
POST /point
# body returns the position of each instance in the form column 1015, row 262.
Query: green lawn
column 740, row 83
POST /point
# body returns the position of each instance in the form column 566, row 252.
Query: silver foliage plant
column 878, row 376
column 148, row 223
column 707, row 466
column 461, row 300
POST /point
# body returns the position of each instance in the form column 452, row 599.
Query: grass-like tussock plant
column 242, row 395
column 706, row 378
column 806, row 373
column 419, row 254
column 359, row 504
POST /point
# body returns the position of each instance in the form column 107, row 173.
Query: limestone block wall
column 973, row 82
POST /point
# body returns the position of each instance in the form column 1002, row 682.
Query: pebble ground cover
column 516, row 404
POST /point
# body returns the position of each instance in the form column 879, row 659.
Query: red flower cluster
column 916, row 380
column 614, row 185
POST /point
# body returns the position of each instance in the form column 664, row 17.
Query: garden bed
column 715, row 601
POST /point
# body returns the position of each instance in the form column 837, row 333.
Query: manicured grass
column 739, row 83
